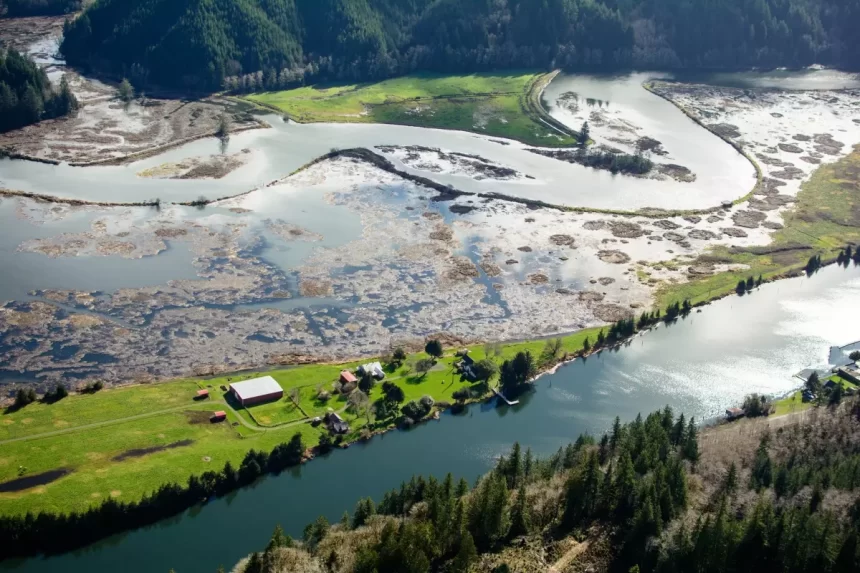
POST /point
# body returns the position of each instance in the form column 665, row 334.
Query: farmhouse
column 336, row 424
column 373, row 369
column 256, row 390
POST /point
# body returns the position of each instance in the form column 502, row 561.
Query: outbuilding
column 257, row 390
column 218, row 416
column 202, row 394
column 734, row 413
column 347, row 377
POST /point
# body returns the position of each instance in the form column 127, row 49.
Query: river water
column 721, row 173
column 699, row 366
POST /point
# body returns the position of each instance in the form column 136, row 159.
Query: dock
column 502, row 396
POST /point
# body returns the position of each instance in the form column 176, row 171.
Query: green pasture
column 492, row 104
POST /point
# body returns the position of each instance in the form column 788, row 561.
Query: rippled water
column 699, row 366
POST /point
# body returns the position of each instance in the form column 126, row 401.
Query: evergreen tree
column 467, row 555
column 691, row 442
column 520, row 521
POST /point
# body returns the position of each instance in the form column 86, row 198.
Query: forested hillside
column 197, row 43
column 26, row 94
column 653, row 495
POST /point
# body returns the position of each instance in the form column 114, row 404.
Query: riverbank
column 94, row 430
column 755, row 344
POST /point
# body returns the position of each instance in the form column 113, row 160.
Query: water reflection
column 700, row 365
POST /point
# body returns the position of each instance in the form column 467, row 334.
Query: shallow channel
column 699, row 366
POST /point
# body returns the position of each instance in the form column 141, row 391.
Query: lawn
column 492, row 104
column 91, row 453
column 97, row 474
column 794, row 402
column 825, row 218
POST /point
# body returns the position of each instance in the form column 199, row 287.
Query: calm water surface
column 700, row 365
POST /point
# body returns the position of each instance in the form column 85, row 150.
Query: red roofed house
column 218, row 416
column 347, row 377
column 202, row 394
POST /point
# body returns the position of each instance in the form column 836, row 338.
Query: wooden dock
column 502, row 396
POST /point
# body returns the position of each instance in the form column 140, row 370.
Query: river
column 699, row 366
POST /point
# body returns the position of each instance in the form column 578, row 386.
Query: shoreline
column 312, row 452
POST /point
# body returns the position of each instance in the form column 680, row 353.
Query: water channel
column 699, row 366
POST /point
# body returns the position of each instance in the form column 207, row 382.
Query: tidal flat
column 341, row 259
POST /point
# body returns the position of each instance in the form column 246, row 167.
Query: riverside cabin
column 256, row 390
column 734, row 413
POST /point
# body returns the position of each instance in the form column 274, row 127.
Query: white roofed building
column 257, row 390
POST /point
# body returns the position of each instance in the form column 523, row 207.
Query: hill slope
column 196, row 43
column 653, row 495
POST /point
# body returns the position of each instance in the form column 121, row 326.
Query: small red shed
column 218, row 416
column 347, row 377
column 201, row 394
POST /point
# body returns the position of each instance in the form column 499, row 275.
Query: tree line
column 789, row 505
column 53, row 533
column 634, row 478
column 26, row 94
column 266, row 44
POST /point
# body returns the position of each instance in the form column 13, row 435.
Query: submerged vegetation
column 816, row 230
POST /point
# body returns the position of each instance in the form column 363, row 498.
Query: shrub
column 125, row 91
column 393, row 392
column 23, row 397
column 424, row 366
column 756, row 405
column 462, row 394
column 93, row 387
column 417, row 410
column 434, row 348
column 485, row 369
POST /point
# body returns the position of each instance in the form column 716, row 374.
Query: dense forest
column 18, row 8
column 653, row 495
column 197, row 44
column 26, row 94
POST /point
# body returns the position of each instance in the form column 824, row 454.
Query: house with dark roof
column 335, row 423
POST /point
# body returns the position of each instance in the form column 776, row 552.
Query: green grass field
column 825, row 218
column 491, row 104
column 85, row 433
column 794, row 402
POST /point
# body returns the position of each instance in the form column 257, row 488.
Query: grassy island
column 501, row 105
